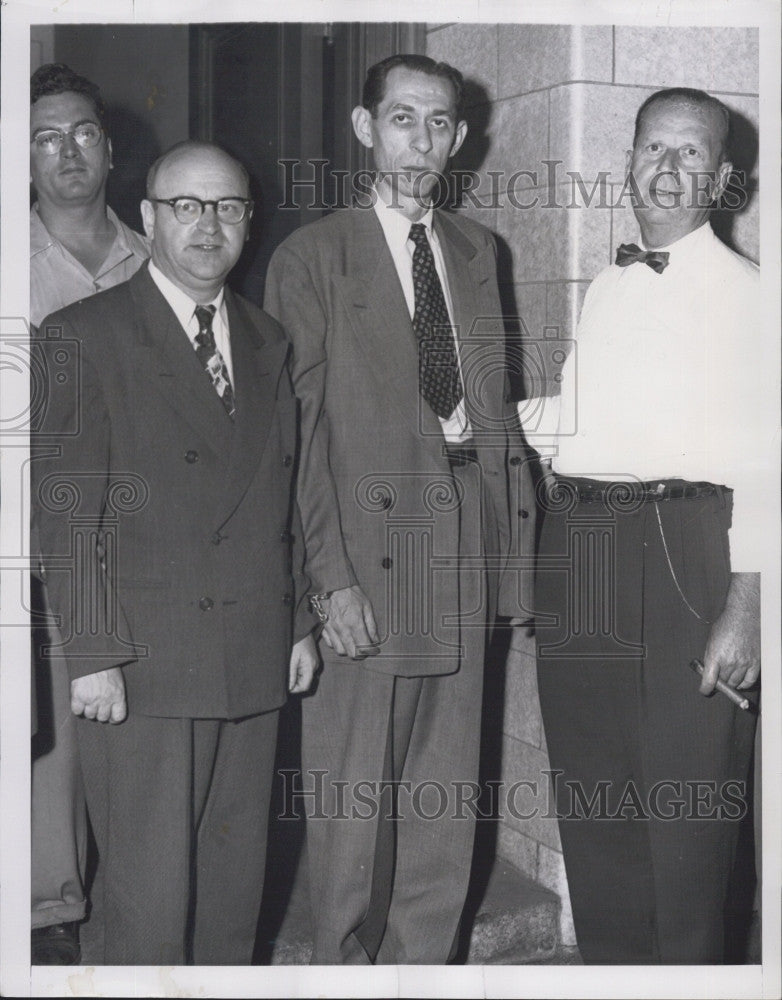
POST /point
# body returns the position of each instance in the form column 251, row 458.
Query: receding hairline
column 696, row 101
column 191, row 147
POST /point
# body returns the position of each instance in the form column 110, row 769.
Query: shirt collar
column 180, row 302
column 40, row 238
column 685, row 243
column 396, row 227
column 125, row 240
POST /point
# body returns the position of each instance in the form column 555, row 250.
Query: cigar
column 728, row 691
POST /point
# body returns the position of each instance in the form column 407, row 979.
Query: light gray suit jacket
column 378, row 498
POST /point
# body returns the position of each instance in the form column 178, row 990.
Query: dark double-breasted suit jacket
column 139, row 470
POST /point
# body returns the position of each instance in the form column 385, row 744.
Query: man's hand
column 100, row 696
column 733, row 649
column 304, row 663
column 351, row 629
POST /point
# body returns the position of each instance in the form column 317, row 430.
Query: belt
column 640, row 492
column 461, row 454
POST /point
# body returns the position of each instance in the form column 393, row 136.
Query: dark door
column 279, row 96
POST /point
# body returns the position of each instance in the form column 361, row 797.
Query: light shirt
column 396, row 229
column 664, row 382
column 57, row 279
column 184, row 310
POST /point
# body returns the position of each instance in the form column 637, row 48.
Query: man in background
column 78, row 247
column 654, row 506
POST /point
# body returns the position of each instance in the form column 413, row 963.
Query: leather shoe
column 57, row 944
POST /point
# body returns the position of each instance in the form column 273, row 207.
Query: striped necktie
column 212, row 359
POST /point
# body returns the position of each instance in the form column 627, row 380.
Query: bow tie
column 629, row 253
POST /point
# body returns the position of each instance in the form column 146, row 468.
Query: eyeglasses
column 187, row 209
column 50, row 140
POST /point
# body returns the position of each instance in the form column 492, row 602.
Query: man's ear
column 111, row 154
column 148, row 218
column 724, row 171
column 361, row 119
column 628, row 160
column 459, row 137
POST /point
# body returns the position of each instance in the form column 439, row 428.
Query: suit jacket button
column 206, row 604
column 387, row 563
column 515, row 460
column 285, row 535
column 216, row 538
column 191, row 457
column 287, row 460
column 523, row 513
column 287, row 598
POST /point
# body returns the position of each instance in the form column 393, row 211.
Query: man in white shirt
column 414, row 496
column 78, row 247
column 648, row 560
column 164, row 498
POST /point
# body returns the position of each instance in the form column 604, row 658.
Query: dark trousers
column 652, row 774
column 179, row 808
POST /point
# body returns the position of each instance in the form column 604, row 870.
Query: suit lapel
column 467, row 268
column 256, row 365
column 174, row 370
column 165, row 352
column 373, row 298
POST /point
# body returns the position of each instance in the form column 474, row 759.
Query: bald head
column 191, row 150
column 675, row 99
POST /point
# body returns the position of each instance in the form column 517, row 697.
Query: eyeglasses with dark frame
column 188, row 209
column 50, row 140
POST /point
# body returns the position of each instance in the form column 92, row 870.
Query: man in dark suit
column 414, row 496
column 165, row 520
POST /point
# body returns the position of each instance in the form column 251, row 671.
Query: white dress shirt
column 184, row 309
column 396, row 229
column 664, row 382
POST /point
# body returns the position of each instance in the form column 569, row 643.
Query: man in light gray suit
column 416, row 504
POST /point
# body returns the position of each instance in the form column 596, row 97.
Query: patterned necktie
column 212, row 359
column 439, row 381
column 629, row 253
